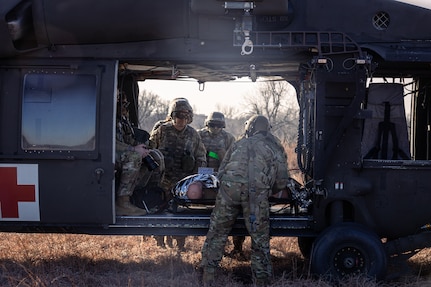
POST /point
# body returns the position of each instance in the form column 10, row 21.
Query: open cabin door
column 57, row 141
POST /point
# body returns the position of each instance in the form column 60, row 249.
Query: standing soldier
column 253, row 169
column 217, row 141
column 181, row 146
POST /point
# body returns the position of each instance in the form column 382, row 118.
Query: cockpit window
column 59, row 112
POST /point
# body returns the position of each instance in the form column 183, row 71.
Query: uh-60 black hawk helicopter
column 367, row 194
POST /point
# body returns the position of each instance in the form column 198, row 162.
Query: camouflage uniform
column 217, row 142
column 183, row 152
column 133, row 172
column 216, row 146
column 252, row 168
column 129, row 160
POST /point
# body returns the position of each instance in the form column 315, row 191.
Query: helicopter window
column 386, row 134
column 59, row 112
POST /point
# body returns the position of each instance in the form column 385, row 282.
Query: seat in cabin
column 385, row 134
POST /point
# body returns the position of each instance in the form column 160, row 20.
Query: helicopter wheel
column 348, row 249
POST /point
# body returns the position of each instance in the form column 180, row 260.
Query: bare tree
column 152, row 108
column 228, row 111
column 277, row 101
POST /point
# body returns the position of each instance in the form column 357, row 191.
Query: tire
column 348, row 249
column 305, row 244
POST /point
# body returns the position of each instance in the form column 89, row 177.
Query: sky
column 420, row 3
column 214, row 95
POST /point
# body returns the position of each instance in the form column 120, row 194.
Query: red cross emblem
column 11, row 193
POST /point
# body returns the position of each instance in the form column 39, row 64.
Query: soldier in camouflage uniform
column 217, row 141
column 253, row 169
column 181, row 146
column 129, row 154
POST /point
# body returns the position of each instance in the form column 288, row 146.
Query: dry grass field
column 85, row 260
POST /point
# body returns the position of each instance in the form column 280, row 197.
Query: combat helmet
column 255, row 124
column 216, row 118
column 178, row 105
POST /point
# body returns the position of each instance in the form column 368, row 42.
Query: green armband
column 213, row 154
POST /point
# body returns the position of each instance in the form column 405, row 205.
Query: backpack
column 151, row 198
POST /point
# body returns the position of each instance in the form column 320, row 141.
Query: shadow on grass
column 172, row 270
column 78, row 271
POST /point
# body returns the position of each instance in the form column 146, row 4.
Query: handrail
column 325, row 43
